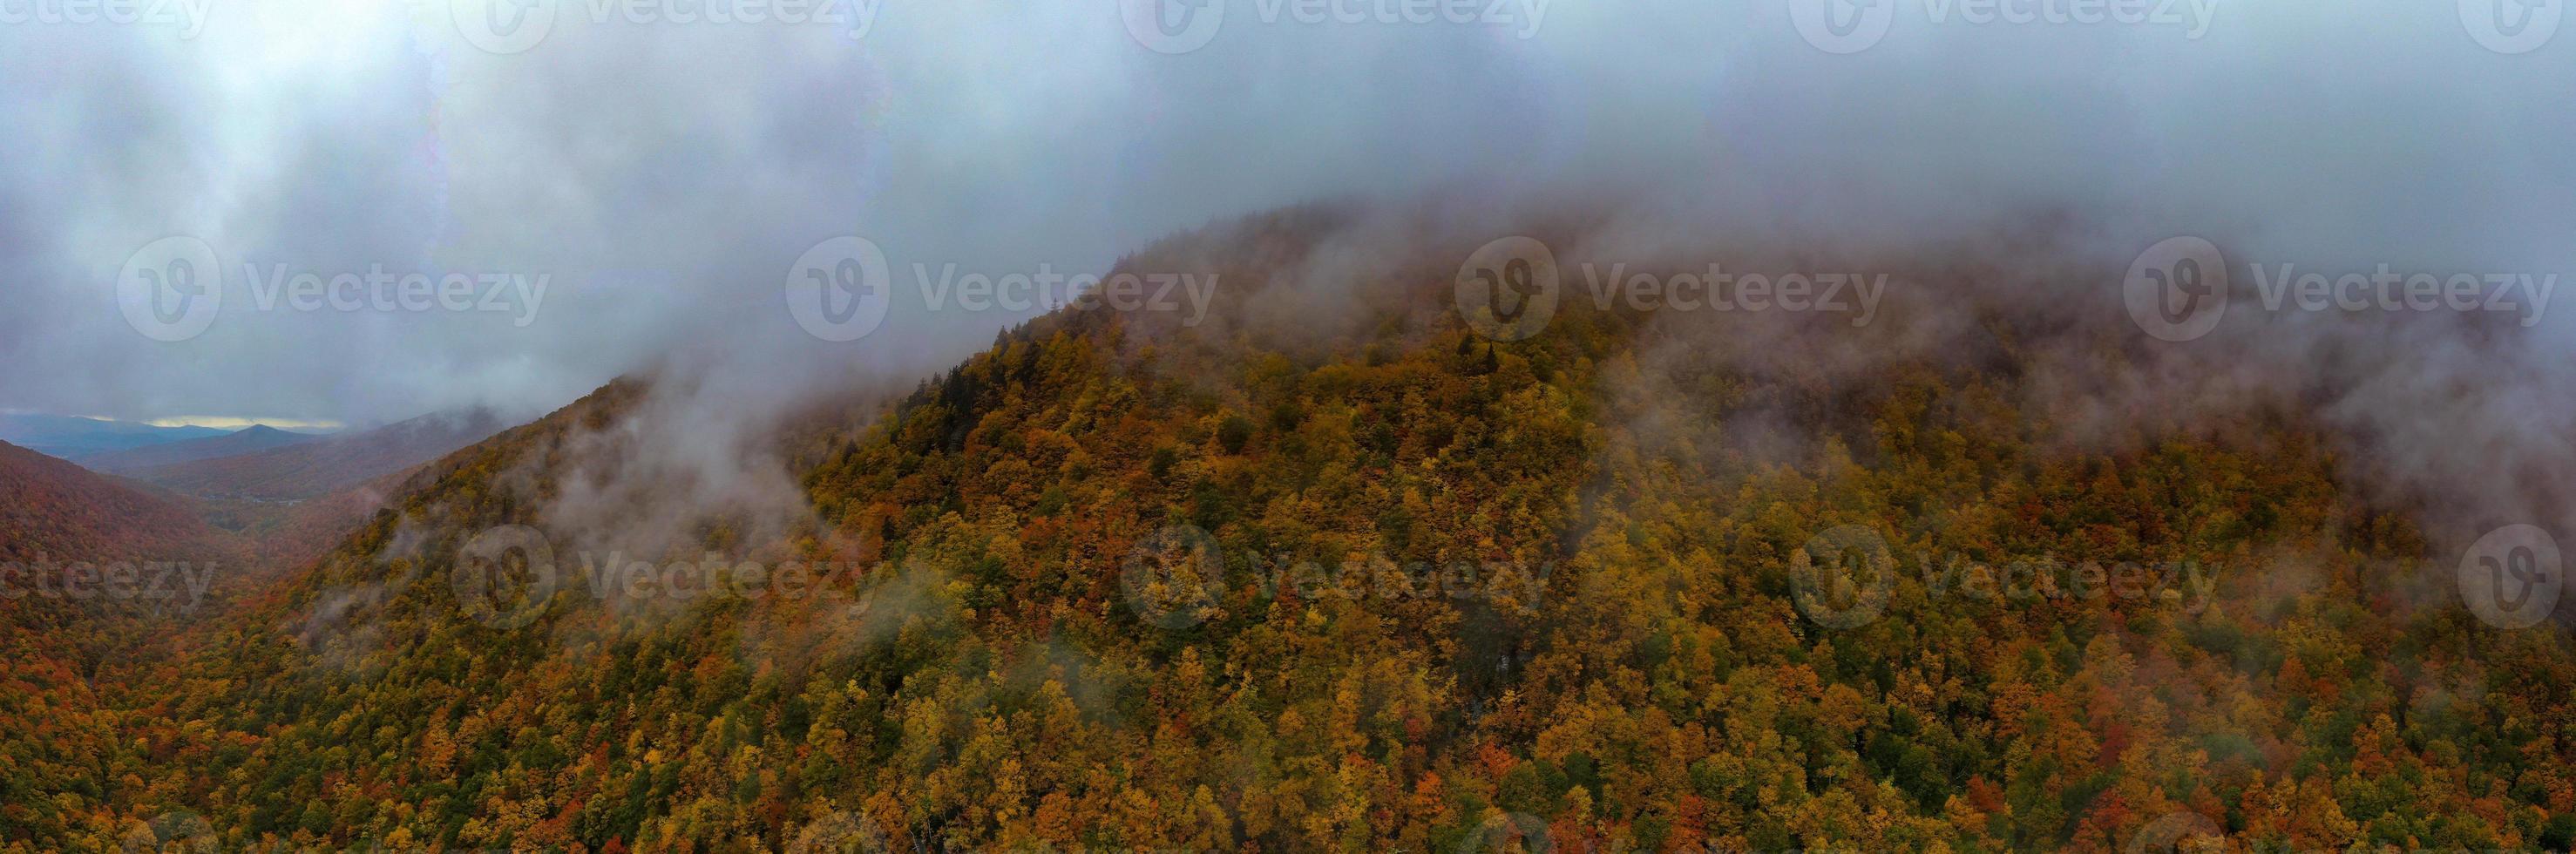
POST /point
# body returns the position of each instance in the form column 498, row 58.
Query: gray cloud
column 664, row 176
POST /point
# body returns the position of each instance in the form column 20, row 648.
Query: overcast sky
column 663, row 177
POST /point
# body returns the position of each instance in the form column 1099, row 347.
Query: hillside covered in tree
column 1332, row 571
column 88, row 567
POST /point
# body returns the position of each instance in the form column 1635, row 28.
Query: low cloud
column 664, row 176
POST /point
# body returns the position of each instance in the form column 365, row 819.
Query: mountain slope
column 322, row 466
column 1367, row 581
column 67, row 437
column 86, row 565
column 52, row 509
column 252, row 439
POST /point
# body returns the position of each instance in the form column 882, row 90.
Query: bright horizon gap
column 219, row 422
column 230, row 423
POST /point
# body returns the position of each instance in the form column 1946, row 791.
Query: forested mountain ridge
column 92, row 573
column 58, row 510
column 1331, row 571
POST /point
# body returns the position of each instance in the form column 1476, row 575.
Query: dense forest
column 1364, row 582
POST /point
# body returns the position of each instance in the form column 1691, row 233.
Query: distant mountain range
column 252, row 439
column 257, row 463
column 68, row 437
column 316, row 466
